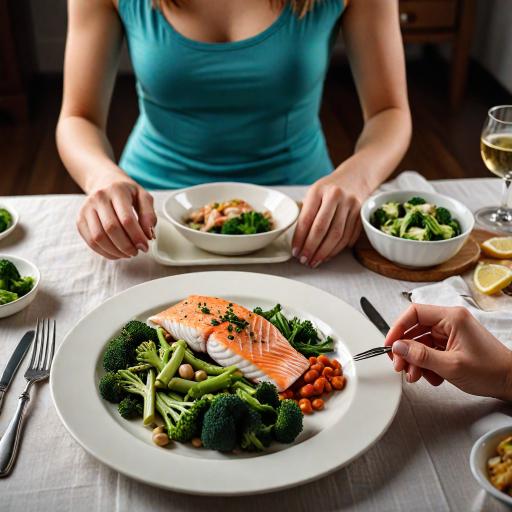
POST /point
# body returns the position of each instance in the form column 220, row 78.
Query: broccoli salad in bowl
column 415, row 219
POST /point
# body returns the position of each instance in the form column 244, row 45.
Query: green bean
column 149, row 399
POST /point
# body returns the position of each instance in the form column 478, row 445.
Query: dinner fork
column 373, row 352
column 37, row 371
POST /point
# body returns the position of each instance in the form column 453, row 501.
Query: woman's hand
column 328, row 222
column 117, row 219
column 458, row 349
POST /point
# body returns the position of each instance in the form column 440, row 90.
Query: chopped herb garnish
column 230, row 328
column 215, row 322
column 205, row 310
column 231, row 337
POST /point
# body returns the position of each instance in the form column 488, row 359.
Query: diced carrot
column 312, row 360
column 318, row 367
column 328, row 387
column 305, row 406
column 318, row 404
column 319, row 385
column 338, row 382
column 307, row 391
column 310, row 376
column 324, row 360
column 335, row 364
column 337, row 372
column 328, row 372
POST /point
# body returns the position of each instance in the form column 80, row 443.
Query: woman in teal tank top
column 229, row 91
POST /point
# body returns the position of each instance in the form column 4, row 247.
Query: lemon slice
column 490, row 279
column 498, row 247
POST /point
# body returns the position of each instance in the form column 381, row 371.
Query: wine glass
column 496, row 151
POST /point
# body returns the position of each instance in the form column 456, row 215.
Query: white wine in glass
column 496, row 150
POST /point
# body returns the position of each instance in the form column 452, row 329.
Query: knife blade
column 374, row 316
column 14, row 363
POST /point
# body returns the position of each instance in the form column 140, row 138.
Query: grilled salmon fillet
column 233, row 335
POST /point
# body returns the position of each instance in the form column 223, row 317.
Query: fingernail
column 152, row 231
column 142, row 248
column 315, row 264
column 303, row 259
column 400, row 348
column 295, row 252
column 407, row 377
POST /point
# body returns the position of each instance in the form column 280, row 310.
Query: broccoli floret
column 391, row 209
column 248, row 223
column 392, row 227
column 119, row 354
column 130, row 408
column 110, row 388
column 22, row 285
column 147, row 353
column 378, row 218
column 267, row 412
column 183, row 420
column 222, row 422
column 132, row 383
column 266, row 393
column 447, row 232
column 268, row 314
column 255, row 435
column 8, row 274
column 138, row 332
column 417, row 234
column 305, row 339
column 6, row 297
column 443, row 215
column 289, row 422
column 5, row 219
column 454, row 224
column 433, row 226
column 414, row 201
column 413, row 218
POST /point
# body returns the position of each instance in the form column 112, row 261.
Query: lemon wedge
column 498, row 247
column 490, row 279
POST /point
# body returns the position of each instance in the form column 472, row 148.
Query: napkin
column 448, row 293
column 408, row 180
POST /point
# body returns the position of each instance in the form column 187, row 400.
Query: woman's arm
column 329, row 220
column 117, row 217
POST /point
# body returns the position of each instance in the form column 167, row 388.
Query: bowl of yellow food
column 491, row 463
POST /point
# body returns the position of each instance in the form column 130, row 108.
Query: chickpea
column 186, row 371
column 196, row 442
column 161, row 439
column 200, row 375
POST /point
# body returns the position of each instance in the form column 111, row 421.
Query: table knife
column 13, row 364
column 374, row 316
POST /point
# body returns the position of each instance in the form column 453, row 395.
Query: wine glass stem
column 503, row 212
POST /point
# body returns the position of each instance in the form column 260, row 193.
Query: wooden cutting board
column 464, row 260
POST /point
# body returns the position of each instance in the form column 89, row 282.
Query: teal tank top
column 240, row 111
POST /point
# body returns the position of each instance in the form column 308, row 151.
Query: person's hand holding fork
column 452, row 345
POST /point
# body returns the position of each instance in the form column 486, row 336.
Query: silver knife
column 374, row 316
column 13, row 364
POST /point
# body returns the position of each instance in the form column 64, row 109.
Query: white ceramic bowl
column 414, row 253
column 284, row 212
column 15, row 219
column 25, row 268
column 482, row 451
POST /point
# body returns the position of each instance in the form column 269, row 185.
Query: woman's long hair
column 300, row 7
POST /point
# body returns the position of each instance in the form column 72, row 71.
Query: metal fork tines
column 373, row 352
column 38, row 370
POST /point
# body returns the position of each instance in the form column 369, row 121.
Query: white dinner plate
column 352, row 421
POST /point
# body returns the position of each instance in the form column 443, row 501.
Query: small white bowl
column 415, row 253
column 482, row 451
column 25, row 268
column 15, row 219
column 181, row 203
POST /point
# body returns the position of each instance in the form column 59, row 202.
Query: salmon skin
column 234, row 335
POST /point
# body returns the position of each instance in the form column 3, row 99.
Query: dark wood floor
column 445, row 144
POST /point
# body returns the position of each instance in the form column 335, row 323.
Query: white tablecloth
column 420, row 464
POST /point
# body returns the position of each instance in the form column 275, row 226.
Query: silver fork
column 37, row 371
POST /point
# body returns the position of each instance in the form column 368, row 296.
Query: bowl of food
column 8, row 220
column 416, row 230
column 230, row 218
column 491, row 463
column 19, row 281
